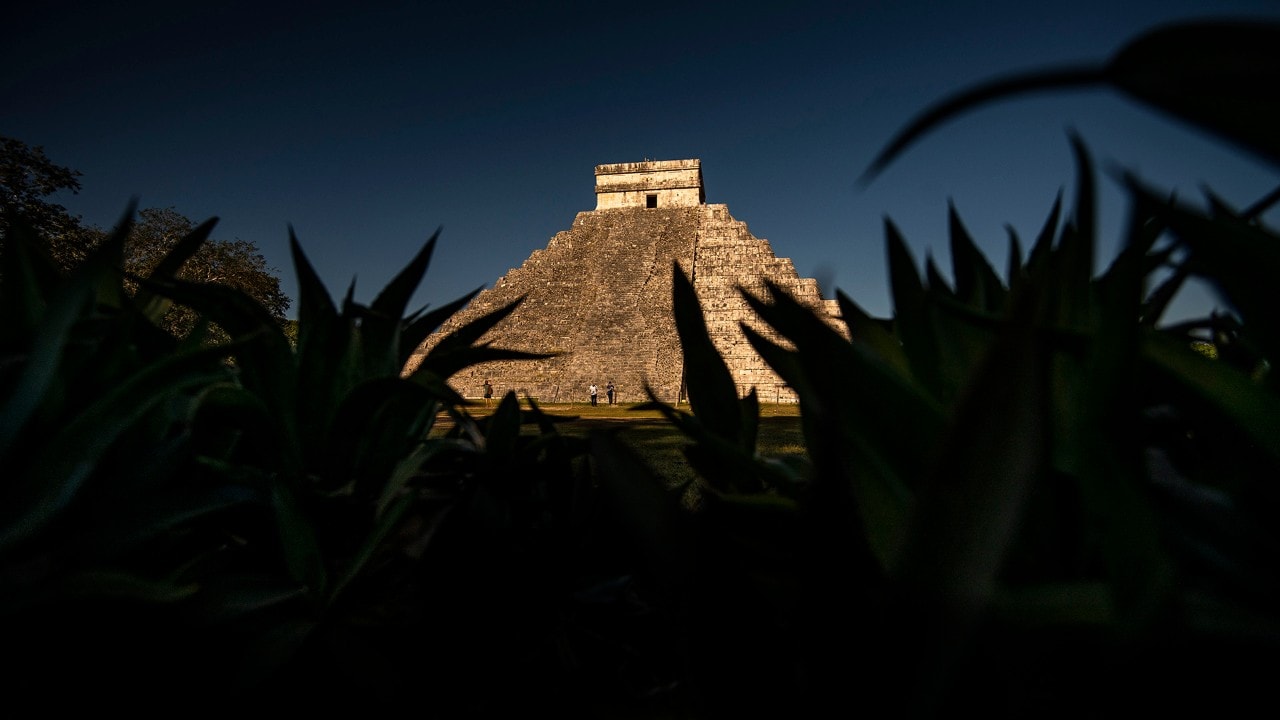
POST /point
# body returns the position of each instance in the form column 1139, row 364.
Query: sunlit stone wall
column 599, row 297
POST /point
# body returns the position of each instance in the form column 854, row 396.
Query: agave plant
column 99, row 506
column 1023, row 494
column 245, row 507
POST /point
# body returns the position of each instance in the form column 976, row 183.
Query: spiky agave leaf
column 1215, row 75
column 713, row 395
column 382, row 323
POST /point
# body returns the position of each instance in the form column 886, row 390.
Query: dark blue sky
column 369, row 126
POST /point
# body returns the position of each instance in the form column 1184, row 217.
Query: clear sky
column 367, row 126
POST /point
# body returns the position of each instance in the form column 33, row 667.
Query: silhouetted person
column 488, row 392
column 609, row 390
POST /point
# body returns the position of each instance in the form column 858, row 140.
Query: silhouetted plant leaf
column 713, row 396
column 966, row 516
column 30, row 278
column 378, row 423
column 122, row 585
column 386, row 523
column 1215, row 75
column 420, row 327
column 64, row 461
column 443, row 364
column 1074, row 252
column 149, row 516
column 1235, row 395
column 459, row 350
column 265, row 356
column 98, row 278
column 651, row 513
column 865, row 423
column 934, row 281
column 1111, row 476
column 873, row 335
column 40, row 367
column 382, row 323
column 503, row 429
column 911, row 313
column 299, row 540
column 155, row 306
column 1014, row 268
column 1240, row 259
column 1218, row 75
column 976, row 282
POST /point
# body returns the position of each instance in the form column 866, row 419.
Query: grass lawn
column 659, row 442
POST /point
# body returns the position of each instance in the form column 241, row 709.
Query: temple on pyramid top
column 649, row 184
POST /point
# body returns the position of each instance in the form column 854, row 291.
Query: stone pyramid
column 599, row 294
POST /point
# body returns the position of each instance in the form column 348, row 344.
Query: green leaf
column 1073, row 256
column 911, row 314
column 394, row 298
column 405, row 470
column 973, row 98
column 637, row 500
column 459, row 350
column 966, row 517
column 377, row 425
column 437, row 386
column 722, row 464
column 1216, row 75
column 315, row 305
column 64, row 461
column 40, row 369
column 230, row 596
column 713, row 395
column 420, row 327
column 381, row 324
column 120, row 584
column 102, row 268
column 28, row 280
column 937, row 284
column 1112, row 476
column 1014, row 268
column 326, row 357
column 155, row 306
column 976, row 281
column 299, row 540
column 1067, row 604
column 150, row 516
column 444, row 364
column 1042, row 249
column 264, row 356
column 1239, row 258
column 865, row 421
column 873, row 335
column 1255, row 412
column 387, row 523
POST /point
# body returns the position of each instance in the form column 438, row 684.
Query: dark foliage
column 1022, row 497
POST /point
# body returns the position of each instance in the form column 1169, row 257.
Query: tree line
column 29, row 180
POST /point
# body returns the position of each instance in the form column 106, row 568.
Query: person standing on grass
column 488, row 392
column 608, row 391
column 592, row 390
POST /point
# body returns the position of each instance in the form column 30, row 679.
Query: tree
column 27, row 178
column 235, row 263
